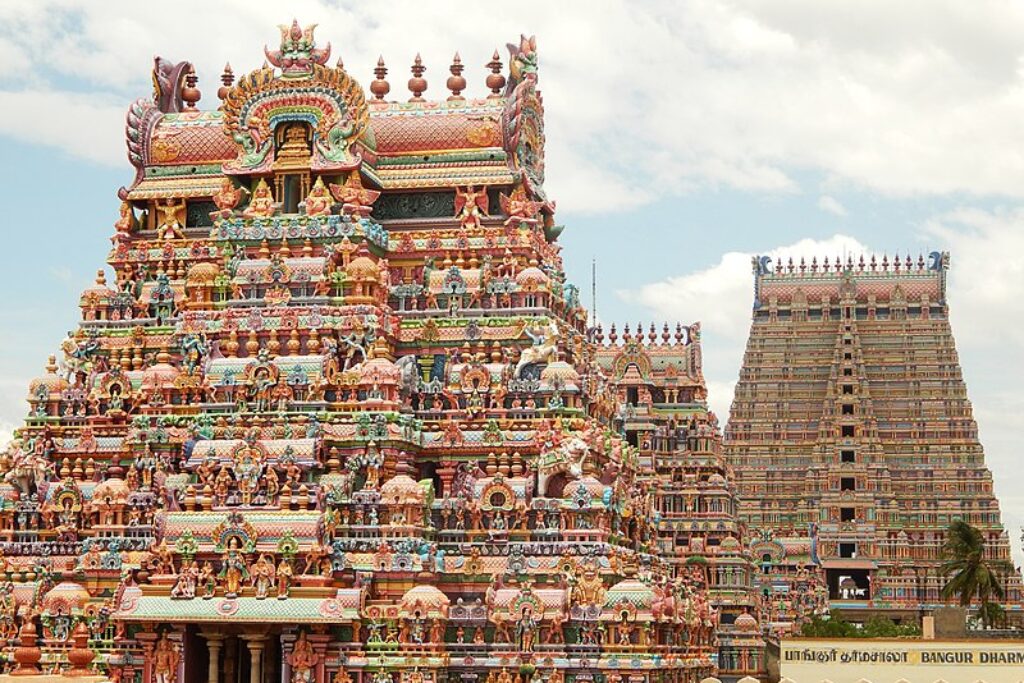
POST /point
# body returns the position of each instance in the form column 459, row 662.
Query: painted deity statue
column 207, row 580
column 226, row 199
column 303, row 659
column 171, row 219
column 185, row 585
column 519, row 208
column 589, row 589
column 262, row 576
column 318, row 201
column 284, row 578
column 526, row 630
column 355, row 199
column 470, row 206
column 165, row 661
column 545, row 344
column 234, row 570
column 262, row 204
column 126, row 221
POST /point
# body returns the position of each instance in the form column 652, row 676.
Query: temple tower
column 852, row 436
column 661, row 407
column 335, row 416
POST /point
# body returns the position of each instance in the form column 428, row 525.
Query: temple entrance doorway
column 234, row 658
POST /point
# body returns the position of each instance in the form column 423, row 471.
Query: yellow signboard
column 811, row 659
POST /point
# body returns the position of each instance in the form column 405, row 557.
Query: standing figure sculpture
column 526, row 629
column 262, row 576
column 234, row 570
column 470, row 205
column 284, row 578
column 165, row 661
column 172, row 219
column 303, row 659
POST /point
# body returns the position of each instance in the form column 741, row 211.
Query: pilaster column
column 231, row 661
column 177, row 637
column 148, row 640
column 256, row 644
column 319, row 642
column 446, row 472
column 214, row 642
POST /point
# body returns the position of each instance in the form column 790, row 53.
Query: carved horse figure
column 410, row 375
column 77, row 356
column 543, row 350
column 566, row 460
column 29, row 472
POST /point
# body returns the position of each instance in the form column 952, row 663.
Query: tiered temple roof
column 336, row 415
column 852, row 435
column 658, row 379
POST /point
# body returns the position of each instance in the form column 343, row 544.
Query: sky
column 682, row 138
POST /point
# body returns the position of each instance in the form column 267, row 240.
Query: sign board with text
column 849, row 660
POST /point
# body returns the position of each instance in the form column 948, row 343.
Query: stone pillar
column 148, row 641
column 319, row 642
column 286, row 641
column 446, row 472
column 256, row 644
column 214, row 642
column 178, row 639
column 231, row 661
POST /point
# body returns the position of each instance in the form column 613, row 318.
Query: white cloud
column 86, row 126
column 986, row 277
column 831, row 205
column 720, row 297
column 6, row 434
column 986, row 298
column 654, row 99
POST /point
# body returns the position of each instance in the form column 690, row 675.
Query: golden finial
column 190, row 93
column 417, row 84
column 495, row 80
column 227, row 79
column 379, row 86
column 456, row 82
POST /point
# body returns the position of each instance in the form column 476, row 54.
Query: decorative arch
column 632, row 354
column 329, row 100
column 497, row 495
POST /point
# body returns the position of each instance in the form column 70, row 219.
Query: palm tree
column 973, row 575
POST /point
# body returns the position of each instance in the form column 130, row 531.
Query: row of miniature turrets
column 873, row 265
column 379, row 86
column 680, row 338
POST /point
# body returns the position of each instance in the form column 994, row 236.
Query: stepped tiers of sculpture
column 851, row 434
column 661, row 407
column 337, row 417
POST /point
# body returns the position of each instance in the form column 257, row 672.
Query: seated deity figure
column 318, row 201
column 262, row 204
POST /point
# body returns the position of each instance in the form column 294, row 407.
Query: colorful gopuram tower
column 661, row 395
column 335, row 417
column 852, row 437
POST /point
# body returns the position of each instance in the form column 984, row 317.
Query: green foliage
column 972, row 575
column 993, row 614
column 884, row 627
column 876, row 627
